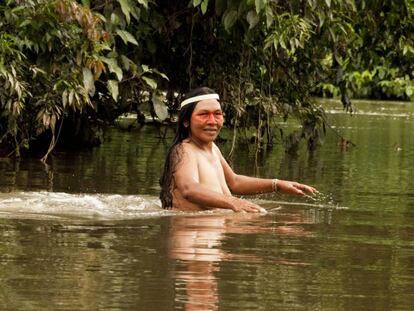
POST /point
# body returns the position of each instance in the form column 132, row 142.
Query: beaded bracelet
column 274, row 185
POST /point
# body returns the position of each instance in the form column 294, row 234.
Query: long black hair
column 173, row 153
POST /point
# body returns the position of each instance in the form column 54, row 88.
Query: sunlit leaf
column 160, row 108
column 269, row 17
column 151, row 82
column 252, row 19
column 88, row 81
column 196, row 3
column 113, row 67
column 259, row 4
column 229, row 19
column 64, row 98
column 113, row 89
column 144, row 3
column 126, row 9
column 204, row 6
column 126, row 36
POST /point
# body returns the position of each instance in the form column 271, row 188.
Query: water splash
column 322, row 198
column 79, row 206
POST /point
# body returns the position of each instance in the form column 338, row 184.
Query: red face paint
column 208, row 116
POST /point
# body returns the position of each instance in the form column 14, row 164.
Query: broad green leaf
column 160, row 108
column 145, row 69
column 126, row 9
column 25, row 23
column 115, row 20
column 113, row 67
column 321, row 16
column 161, row 74
column 229, row 19
column 352, row 4
column 151, row 82
column 64, row 98
column 269, row 17
column 113, row 89
column 252, row 19
column 88, row 81
column 333, row 37
column 126, row 36
column 144, row 3
column 204, row 6
column 328, row 3
column 196, row 3
column 70, row 97
column 126, row 62
column 259, row 4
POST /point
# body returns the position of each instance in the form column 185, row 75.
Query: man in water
column 196, row 176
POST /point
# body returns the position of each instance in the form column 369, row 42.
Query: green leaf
column 115, row 20
column 160, row 108
column 352, row 4
column 259, row 4
column 229, row 19
column 126, row 9
column 113, row 67
column 126, row 36
column 333, row 37
column 252, row 19
column 113, row 89
column 88, row 81
column 204, row 6
column 64, row 98
column 144, row 3
column 196, row 3
column 151, row 82
column 145, row 69
column 126, row 62
column 328, row 3
column 70, row 98
column 269, row 16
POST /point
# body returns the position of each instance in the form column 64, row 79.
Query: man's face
column 206, row 120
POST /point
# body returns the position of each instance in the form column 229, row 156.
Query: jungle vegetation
column 69, row 67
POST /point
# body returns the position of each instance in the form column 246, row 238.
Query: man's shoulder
column 216, row 149
column 186, row 148
column 186, row 145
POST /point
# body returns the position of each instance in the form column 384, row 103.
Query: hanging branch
column 53, row 143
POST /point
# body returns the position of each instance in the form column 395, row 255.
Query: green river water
column 86, row 232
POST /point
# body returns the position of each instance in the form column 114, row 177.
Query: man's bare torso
column 209, row 173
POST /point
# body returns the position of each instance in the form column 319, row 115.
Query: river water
column 86, row 231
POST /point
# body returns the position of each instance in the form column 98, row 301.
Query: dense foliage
column 71, row 65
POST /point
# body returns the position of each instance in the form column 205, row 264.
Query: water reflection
column 196, row 241
column 196, row 245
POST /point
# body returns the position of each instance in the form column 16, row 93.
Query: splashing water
column 323, row 200
column 82, row 206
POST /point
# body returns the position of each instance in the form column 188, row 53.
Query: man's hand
column 293, row 187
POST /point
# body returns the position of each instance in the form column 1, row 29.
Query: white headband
column 199, row 98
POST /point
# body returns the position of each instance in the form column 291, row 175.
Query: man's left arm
column 241, row 184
